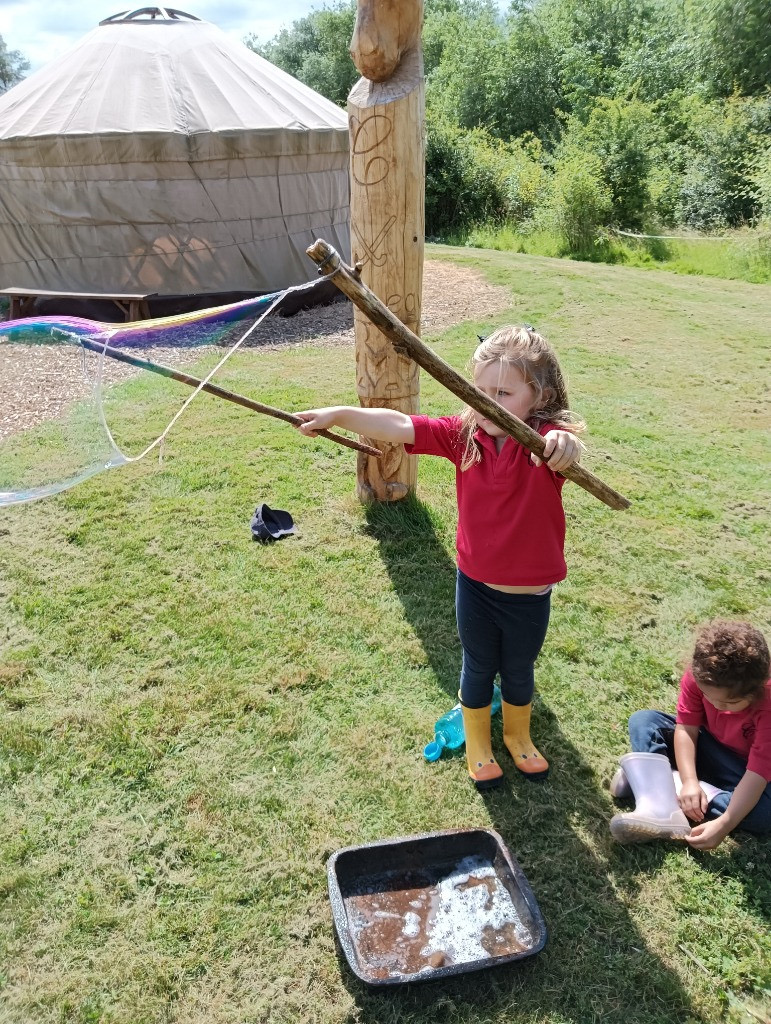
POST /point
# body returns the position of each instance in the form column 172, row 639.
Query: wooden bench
column 133, row 307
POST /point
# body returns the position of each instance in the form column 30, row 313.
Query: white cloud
column 42, row 29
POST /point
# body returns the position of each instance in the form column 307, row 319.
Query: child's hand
column 315, row 420
column 561, row 451
column 708, row 835
column 693, row 801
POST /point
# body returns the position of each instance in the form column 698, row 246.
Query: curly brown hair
column 732, row 656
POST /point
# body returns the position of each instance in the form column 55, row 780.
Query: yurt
column 160, row 156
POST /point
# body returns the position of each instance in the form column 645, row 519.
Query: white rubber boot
column 621, row 790
column 657, row 814
column 619, row 785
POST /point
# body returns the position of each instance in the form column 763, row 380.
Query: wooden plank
column 133, row 306
column 42, row 294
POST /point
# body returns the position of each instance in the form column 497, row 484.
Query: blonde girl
column 511, row 529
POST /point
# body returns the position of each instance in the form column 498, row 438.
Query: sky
column 42, row 29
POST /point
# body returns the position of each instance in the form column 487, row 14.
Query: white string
column 674, row 238
column 158, row 442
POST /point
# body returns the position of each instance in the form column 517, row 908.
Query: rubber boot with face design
column 516, row 736
column 482, row 767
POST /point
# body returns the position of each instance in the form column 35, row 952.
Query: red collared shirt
column 747, row 732
column 511, row 524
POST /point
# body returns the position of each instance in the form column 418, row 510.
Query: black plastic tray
column 411, row 909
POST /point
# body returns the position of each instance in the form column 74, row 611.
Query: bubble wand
column 218, row 392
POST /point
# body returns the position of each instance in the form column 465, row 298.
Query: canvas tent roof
column 159, row 155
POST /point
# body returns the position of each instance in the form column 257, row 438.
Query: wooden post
column 409, row 345
column 386, row 119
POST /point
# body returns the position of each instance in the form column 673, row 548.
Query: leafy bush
column 704, row 203
column 760, row 181
column 463, row 184
column 474, row 178
column 669, row 100
column 580, row 201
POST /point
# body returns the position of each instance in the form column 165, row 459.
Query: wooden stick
column 407, row 343
column 229, row 396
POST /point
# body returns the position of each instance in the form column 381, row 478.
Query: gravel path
column 38, row 382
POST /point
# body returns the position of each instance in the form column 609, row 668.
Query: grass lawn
column 742, row 255
column 192, row 723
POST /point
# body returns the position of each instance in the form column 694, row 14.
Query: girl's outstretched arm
column 378, row 424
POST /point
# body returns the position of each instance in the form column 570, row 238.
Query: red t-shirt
column 747, row 732
column 511, row 524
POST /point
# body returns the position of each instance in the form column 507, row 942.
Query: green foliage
column 760, row 180
column 621, row 134
column 315, row 50
column 658, row 106
column 464, row 177
column 592, row 38
column 736, row 40
column 472, row 178
column 496, row 75
column 722, row 141
column 13, row 66
column 581, row 201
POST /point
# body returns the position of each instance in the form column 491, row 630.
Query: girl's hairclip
column 482, row 338
column 528, row 327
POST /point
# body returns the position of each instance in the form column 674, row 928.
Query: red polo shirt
column 511, row 524
column 747, row 732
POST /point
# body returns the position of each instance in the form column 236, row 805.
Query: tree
column 737, row 42
column 592, row 39
column 315, row 50
column 488, row 73
column 13, row 66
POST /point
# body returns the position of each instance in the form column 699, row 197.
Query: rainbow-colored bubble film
column 68, row 410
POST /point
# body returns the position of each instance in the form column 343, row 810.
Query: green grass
column 192, row 723
column 741, row 256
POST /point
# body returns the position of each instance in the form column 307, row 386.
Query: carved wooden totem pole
column 386, row 111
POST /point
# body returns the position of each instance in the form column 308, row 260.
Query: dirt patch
column 37, row 383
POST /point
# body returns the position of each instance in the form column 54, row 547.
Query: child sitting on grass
column 720, row 743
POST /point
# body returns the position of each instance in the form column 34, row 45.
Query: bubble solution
column 413, row 924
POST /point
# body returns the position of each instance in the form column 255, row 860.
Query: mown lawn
column 191, row 722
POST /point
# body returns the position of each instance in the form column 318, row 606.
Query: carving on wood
column 386, row 123
column 385, row 30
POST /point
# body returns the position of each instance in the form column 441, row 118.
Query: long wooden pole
column 386, row 113
column 229, row 396
column 407, row 343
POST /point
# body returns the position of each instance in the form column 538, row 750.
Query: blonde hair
column 533, row 356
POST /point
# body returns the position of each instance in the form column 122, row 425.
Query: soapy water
column 53, row 436
column 465, row 916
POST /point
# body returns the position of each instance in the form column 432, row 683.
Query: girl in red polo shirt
column 719, row 741
column 511, row 529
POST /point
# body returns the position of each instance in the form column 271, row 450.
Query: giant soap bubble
column 75, row 399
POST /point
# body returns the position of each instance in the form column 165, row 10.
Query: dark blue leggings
column 499, row 633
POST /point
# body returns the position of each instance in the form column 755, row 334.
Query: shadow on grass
column 596, row 966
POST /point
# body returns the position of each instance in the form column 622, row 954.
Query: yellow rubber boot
column 482, row 766
column 516, row 736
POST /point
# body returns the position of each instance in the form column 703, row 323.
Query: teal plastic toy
column 448, row 731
